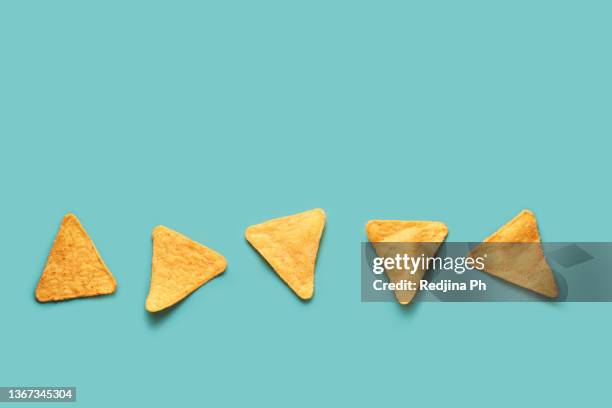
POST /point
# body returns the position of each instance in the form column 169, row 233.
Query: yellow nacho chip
column 523, row 263
column 179, row 267
column 74, row 268
column 290, row 245
column 413, row 238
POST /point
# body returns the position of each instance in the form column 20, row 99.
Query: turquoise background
column 211, row 116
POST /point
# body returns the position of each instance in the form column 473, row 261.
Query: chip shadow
column 570, row 255
column 157, row 318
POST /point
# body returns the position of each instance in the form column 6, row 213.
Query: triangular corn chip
column 74, row 268
column 514, row 254
column 413, row 238
column 179, row 267
column 290, row 245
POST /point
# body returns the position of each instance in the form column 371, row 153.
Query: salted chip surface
column 290, row 245
column 413, row 238
column 179, row 267
column 514, row 253
column 74, row 267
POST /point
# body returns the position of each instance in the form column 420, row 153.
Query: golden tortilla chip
column 521, row 261
column 74, row 268
column 412, row 238
column 290, row 245
column 179, row 267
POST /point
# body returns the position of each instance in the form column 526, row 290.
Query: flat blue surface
column 211, row 116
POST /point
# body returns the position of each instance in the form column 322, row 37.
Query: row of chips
column 513, row 261
column 180, row 265
column 289, row 244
